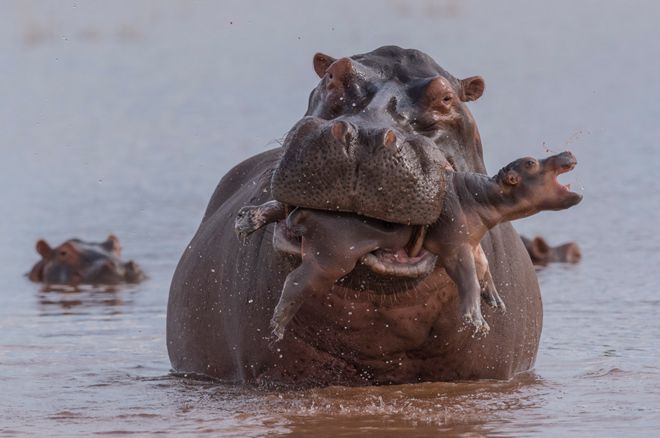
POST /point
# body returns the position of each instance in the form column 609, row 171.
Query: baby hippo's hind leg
column 486, row 282
column 252, row 217
column 461, row 269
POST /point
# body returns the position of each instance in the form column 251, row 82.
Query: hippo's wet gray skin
column 372, row 144
column 332, row 244
column 76, row 262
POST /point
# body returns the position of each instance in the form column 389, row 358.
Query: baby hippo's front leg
column 461, row 268
column 252, row 217
column 299, row 284
column 332, row 243
column 325, row 259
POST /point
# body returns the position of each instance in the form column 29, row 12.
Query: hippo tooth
column 419, row 241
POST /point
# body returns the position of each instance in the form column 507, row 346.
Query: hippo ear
column 112, row 245
column 539, row 250
column 472, row 88
column 511, row 178
column 321, row 63
column 43, row 248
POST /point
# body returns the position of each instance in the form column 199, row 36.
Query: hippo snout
column 562, row 162
column 375, row 171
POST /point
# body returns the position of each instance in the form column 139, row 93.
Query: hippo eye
column 447, row 99
column 530, row 164
column 63, row 253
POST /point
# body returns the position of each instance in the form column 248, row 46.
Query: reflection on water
column 121, row 118
column 69, row 300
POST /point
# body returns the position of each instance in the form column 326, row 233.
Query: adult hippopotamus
column 377, row 129
column 76, row 262
column 542, row 253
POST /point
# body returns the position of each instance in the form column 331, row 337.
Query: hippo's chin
column 387, row 262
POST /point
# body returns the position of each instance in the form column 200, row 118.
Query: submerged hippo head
column 533, row 183
column 542, row 253
column 379, row 128
column 76, row 262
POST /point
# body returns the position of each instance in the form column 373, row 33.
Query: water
column 121, row 117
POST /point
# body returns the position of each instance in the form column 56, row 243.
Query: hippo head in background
column 378, row 129
column 76, row 262
column 542, row 253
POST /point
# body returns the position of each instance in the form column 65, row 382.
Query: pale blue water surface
column 122, row 116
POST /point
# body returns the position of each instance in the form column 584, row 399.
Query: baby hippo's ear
column 43, row 248
column 511, row 178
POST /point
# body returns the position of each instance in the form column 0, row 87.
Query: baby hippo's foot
column 277, row 330
column 281, row 318
column 248, row 220
column 491, row 297
column 472, row 316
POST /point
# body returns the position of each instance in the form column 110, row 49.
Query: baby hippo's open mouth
column 564, row 167
column 407, row 259
column 558, row 165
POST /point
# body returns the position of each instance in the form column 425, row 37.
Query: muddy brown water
column 121, row 117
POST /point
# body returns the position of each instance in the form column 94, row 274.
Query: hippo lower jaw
column 410, row 262
column 399, row 263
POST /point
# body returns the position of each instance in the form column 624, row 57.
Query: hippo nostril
column 389, row 138
column 342, row 132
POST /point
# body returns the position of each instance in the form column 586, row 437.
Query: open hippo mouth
column 407, row 261
column 561, row 169
column 558, row 165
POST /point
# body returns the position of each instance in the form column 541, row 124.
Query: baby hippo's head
column 533, row 185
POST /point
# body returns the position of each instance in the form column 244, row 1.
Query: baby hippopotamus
column 332, row 243
column 76, row 262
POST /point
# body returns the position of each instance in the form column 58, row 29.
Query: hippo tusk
column 420, row 234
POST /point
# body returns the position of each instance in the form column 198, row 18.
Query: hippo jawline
column 411, row 261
